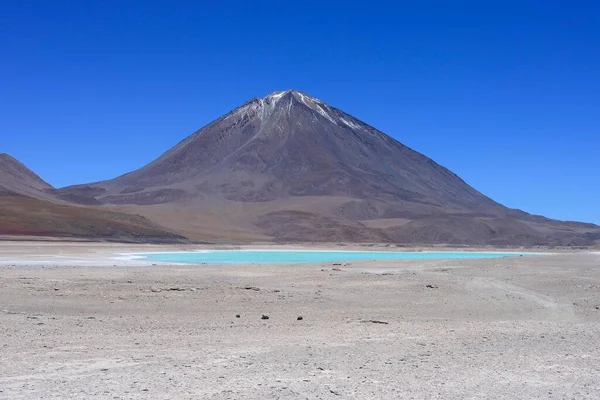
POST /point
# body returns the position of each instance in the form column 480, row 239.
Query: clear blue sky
column 506, row 94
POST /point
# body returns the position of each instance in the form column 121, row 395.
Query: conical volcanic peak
column 291, row 144
column 291, row 166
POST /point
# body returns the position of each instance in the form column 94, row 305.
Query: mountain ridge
column 16, row 178
column 290, row 167
column 264, row 109
column 29, row 207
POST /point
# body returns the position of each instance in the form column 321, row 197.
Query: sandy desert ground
column 77, row 323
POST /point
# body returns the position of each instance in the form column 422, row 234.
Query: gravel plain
column 81, row 321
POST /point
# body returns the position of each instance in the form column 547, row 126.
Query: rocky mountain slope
column 16, row 178
column 290, row 167
column 29, row 207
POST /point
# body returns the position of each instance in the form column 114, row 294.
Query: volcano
column 289, row 167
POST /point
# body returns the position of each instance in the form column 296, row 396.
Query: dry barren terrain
column 27, row 216
column 76, row 323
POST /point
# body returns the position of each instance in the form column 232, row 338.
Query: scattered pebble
column 300, row 318
column 264, row 317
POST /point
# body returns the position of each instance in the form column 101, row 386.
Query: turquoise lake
column 306, row 256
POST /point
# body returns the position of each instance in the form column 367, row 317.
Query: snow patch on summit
column 265, row 107
column 276, row 95
column 315, row 105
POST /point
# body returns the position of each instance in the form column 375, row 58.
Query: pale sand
column 72, row 325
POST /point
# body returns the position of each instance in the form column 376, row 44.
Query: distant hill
column 28, row 207
column 289, row 167
column 18, row 179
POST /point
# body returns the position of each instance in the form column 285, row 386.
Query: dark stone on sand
column 374, row 321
